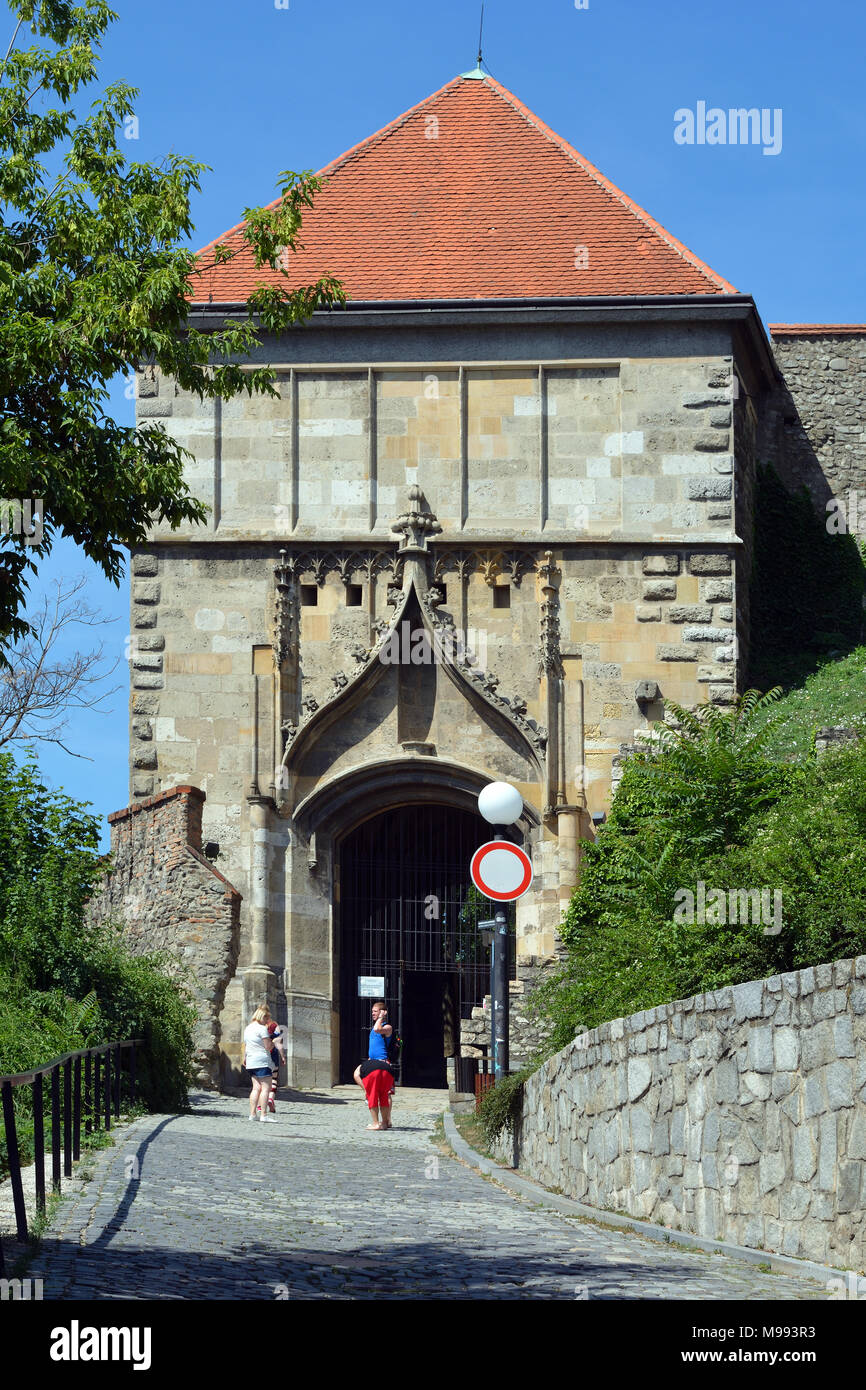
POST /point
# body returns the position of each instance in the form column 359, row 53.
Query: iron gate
column 408, row 912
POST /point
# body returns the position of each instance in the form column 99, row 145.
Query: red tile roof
column 470, row 196
column 814, row 329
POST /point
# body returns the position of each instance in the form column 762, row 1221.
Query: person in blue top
column 376, row 1075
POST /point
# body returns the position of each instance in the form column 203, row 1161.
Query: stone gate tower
column 499, row 513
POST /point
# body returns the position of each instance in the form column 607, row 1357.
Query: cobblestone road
column 210, row 1206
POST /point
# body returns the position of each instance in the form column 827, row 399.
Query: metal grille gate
column 408, row 912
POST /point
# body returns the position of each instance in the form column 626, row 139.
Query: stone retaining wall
column 170, row 898
column 738, row 1115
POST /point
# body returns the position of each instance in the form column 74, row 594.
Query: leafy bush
column 707, row 804
column 65, row 982
column 502, row 1104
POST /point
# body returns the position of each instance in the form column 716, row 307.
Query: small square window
column 502, row 596
column 354, row 595
column 309, row 596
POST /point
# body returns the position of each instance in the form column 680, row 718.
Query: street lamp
column 501, row 805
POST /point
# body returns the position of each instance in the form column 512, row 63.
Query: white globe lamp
column 500, row 803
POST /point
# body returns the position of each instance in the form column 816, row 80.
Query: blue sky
column 251, row 89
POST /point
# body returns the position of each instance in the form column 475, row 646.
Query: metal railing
column 90, row 1089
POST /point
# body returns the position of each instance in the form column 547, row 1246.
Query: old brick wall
column 738, row 1115
column 170, row 898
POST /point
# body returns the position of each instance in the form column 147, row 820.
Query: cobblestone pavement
column 211, row 1206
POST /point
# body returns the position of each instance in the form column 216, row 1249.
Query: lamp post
column 500, row 804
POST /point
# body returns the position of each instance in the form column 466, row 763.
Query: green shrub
column 726, row 814
column 502, row 1104
column 67, row 983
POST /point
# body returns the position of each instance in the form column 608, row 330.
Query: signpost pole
column 499, row 1003
column 503, row 872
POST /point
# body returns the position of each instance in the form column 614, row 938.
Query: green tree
column 60, row 968
column 93, row 282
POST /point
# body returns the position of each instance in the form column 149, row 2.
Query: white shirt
column 257, row 1053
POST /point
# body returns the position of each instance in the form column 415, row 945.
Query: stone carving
column 514, row 563
column 347, row 561
column 417, row 525
column 549, row 655
column 486, row 683
column 285, row 611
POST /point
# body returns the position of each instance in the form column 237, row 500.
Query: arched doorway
column 408, row 913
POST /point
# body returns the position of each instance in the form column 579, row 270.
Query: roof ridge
column 609, row 187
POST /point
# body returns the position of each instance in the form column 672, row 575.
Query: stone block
column 771, row 1169
column 748, row 1000
column 804, row 1154
column 666, row 652
column 851, row 1177
column 843, row 1036
column 639, row 1077
column 647, row 613
column 716, row 590
column 709, row 564
column 857, row 1134
column 708, row 489
column 758, row 1084
column 827, row 1153
column 761, row 1048
column 145, row 591
column 690, row 613
column 661, row 564
column 144, row 565
column 815, row 1098
column 786, row 1049
column 641, row 1129
column 839, row 1080
column 660, row 589
column 816, row 1046
column 705, row 634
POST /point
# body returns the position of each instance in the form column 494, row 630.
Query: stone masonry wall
column 171, row 899
column 525, row 1034
column 739, row 1115
column 814, row 424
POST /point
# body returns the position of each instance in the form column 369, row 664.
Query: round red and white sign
column 501, row 871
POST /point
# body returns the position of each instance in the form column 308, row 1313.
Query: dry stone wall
column 171, row 899
column 739, row 1115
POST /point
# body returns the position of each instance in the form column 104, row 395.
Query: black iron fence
column 84, row 1088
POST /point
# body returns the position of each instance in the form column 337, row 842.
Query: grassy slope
column 835, row 694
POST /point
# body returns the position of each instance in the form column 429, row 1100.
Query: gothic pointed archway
column 408, row 915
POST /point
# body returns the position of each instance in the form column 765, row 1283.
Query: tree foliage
column 707, row 804
column 60, row 970
column 93, row 282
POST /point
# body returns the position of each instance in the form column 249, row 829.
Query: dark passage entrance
column 409, row 913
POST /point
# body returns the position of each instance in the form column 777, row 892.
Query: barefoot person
column 256, row 1058
column 376, row 1075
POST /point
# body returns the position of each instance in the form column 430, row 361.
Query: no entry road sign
column 501, row 871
